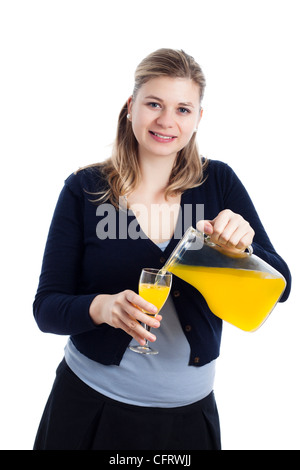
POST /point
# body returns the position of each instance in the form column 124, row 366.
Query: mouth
column 161, row 137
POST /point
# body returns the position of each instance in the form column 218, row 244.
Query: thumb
column 205, row 226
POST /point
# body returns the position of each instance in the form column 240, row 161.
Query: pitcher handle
column 248, row 250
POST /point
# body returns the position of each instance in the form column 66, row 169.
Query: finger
column 205, row 226
column 132, row 332
column 245, row 241
column 138, row 301
column 231, row 234
column 138, row 315
column 136, row 330
column 234, row 235
column 228, row 228
column 221, row 221
column 242, row 236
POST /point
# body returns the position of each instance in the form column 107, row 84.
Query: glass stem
column 148, row 328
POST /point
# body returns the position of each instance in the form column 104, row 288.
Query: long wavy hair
column 121, row 170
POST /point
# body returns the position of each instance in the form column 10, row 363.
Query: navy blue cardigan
column 78, row 265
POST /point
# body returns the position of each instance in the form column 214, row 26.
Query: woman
column 111, row 220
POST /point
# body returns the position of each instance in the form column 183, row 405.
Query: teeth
column 162, row 136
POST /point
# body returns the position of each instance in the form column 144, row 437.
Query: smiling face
column 164, row 115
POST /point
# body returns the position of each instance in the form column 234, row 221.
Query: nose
column 165, row 119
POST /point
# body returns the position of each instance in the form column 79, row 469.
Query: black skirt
column 76, row 417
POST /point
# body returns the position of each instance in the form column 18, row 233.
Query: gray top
column 145, row 380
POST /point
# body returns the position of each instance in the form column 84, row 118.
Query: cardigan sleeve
column 58, row 306
column 238, row 200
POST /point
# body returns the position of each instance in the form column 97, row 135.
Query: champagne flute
column 154, row 286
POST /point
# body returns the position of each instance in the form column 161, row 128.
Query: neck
column 155, row 172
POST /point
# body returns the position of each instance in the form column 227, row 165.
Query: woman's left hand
column 228, row 230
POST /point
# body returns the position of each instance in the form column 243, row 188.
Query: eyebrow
column 152, row 97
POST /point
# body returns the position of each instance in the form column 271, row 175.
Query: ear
column 199, row 119
column 129, row 104
column 200, row 116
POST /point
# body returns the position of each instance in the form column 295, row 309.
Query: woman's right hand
column 124, row 310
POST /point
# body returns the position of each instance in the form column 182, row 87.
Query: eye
column 184, row 110
column 153, row 105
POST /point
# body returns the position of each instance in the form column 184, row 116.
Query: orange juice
column 155, row 294
column 241, row 297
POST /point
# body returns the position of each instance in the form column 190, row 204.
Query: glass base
column 143, row 350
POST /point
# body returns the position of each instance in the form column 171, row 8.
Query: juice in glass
column 155, row 294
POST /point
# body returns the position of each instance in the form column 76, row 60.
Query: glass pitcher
column 241, row 288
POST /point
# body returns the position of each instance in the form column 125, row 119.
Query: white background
column 66, row 69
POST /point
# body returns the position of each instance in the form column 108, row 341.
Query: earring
column 128, row 116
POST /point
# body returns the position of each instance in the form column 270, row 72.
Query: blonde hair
column 121, row 170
